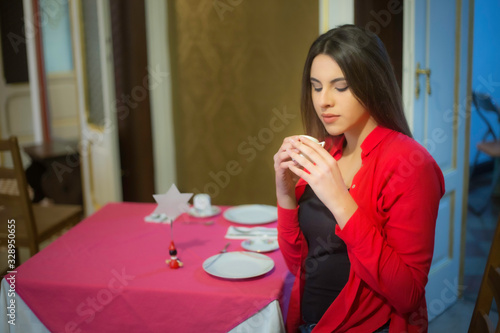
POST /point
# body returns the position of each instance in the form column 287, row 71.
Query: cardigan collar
column 371, row 141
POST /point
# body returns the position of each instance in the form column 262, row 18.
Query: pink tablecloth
column 108, row 274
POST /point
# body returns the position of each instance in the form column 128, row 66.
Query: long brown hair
column 363, row 59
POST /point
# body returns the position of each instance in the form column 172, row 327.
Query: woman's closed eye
column 339, row 89
column 342, row 88
column 317, row 88
column 339, row 84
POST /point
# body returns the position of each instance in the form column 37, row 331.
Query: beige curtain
column 236, row 74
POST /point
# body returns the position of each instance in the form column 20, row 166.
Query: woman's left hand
column 324, row 177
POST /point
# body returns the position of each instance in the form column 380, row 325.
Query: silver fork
column 224, row 250
column 221, row 252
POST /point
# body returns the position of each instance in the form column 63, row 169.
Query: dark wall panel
column 385, row 18
column 15, row 62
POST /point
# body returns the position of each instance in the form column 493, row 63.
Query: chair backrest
column 17, row 205
column 484, row 103
column 489, row 290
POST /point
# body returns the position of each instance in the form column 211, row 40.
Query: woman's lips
column 329, row 118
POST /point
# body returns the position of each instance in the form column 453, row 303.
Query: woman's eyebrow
column 332, row 81
column 337, row 80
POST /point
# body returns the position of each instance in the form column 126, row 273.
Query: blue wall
column 485, row 66
column 56, row 34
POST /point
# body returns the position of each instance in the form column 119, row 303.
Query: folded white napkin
column 251, row 233
column 157, row 218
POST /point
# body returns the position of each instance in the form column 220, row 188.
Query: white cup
column 202, row 203
column 322, row 144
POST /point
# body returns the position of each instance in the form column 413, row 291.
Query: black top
column 327, row 264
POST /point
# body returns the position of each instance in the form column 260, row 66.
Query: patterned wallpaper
column 236, row 72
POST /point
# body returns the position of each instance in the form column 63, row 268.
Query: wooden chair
column 33, row 223
column 489, row 290
column 484, row 104
column 492, row 149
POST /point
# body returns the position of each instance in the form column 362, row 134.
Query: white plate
column 262, row 244
column 238, row 265
column 214, row 210
column 252, row 214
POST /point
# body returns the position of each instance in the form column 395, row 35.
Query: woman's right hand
column 285, row 179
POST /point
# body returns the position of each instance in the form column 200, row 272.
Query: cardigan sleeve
column 394, row 259
column 289, row 238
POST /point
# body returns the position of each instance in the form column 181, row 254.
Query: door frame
column 333, row 13
column 91, row 134
column 33, row 71
column 408, row 86
column 160, row 93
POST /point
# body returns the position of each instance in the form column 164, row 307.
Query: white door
column 90, row 20
column 436, row 86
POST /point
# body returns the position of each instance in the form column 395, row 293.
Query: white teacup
column 202, row 203
column 322, row 144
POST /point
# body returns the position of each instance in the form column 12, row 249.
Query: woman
column 356, row 220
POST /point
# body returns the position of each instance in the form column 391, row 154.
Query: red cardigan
column 390, row 239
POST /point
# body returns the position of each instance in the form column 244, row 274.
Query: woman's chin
column 334, row 131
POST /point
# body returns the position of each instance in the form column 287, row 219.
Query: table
column 108, row 274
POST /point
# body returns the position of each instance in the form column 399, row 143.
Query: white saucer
column 214, row 210
column 261, row 244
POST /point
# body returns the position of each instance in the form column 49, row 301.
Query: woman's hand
column 285, row 178
column 324, row 177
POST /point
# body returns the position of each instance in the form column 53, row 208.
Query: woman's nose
column 326, row 99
